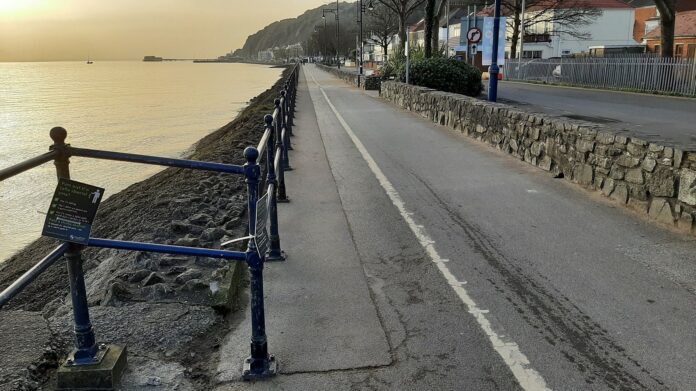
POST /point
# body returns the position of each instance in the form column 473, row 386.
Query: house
column 614, row 27
column 684, row 36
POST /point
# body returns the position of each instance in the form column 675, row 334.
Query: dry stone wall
column 652, row 178
column 369, row 82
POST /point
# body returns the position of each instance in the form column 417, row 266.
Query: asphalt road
column 485, row 273
column 653, row 117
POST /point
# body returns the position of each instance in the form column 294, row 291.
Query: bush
column 445, row 74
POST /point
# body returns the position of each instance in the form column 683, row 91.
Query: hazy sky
column 45, row 30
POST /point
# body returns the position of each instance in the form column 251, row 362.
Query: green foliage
column 444, row 74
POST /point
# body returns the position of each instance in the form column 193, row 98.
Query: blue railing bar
column 167, row 249
column 19, row 284
column 161, row 161
column 263, row 142
column 26, row 165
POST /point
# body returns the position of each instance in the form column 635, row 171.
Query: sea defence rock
column 652, row 178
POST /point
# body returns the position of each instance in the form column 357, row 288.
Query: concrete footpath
column 420, row 260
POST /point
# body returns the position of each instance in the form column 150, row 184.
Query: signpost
column 261, row 235
column 72, row 211
column 488, row 41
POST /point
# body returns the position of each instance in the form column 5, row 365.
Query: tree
column 668, row 17
column 382, row 24
column 403, row 9
column 565, row 17
column 429, row 23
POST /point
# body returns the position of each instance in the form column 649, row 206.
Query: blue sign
column 488, row 40
column 72, row 211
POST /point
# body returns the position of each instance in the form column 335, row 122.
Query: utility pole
column 521, row 56
column 493, row 70
column 447, row 12
column 407, row 53
column 338, row 39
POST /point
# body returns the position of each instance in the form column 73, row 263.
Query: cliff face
column 297, row 30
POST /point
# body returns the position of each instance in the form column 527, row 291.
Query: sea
column 155, row 108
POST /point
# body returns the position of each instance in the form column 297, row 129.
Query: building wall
column 613, row 27
column 640, row 27
column 685, row 41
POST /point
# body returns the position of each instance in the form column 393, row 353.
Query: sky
column 60, row 30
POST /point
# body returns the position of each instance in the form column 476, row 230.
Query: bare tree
column 566, row 16
column 382, row 23
column 668, row 17
column 403, row 9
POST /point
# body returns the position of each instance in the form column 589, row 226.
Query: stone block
column 635, row 149
column 617, row 172
column 687, row 187
column 634, row 175
column 627, row 161
column 655, row 147
column 583, row 174
column 605, row 138
column 103, row 376
column 545, row 163
column 620, row 193
column 678, row 157
column 585, row 145
column 661, row 210
column 661, row 182
column 649, row 164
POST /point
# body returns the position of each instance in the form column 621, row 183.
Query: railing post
column 282, row 195
column 285, row 158
column 274, row 252
column 259, row 364
column 86, row 352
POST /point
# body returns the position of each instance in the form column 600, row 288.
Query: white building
column 613, row 28
column 265, row 55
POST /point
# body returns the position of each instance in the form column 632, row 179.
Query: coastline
column 174, row 206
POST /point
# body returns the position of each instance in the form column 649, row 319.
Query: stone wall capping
column 651, row 177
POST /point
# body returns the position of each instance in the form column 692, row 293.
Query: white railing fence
column 644, row 74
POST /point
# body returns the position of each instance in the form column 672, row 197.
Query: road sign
column 474, row 35
column 72, row 211
column 261, row 234
column 487, row 43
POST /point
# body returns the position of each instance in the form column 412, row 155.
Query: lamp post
column 361, row 47
column 338, row 39
column 493, row 70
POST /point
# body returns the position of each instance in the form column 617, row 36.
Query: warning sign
column 72, row 211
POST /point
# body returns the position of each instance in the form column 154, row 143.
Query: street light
column 338, row 39
column 361, row 11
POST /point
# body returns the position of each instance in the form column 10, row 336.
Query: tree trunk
column 435, row 41
column 667, row 35
column 385, row 47
column 429, row 22
column 402, row 32
column 515, row 34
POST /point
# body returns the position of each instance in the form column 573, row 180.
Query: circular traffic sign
column 474, row 35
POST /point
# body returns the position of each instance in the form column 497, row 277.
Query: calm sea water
column 147, row 108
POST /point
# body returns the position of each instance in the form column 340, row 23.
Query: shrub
column 445, row 74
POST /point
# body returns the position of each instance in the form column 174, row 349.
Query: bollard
column 259, row 364
column 282, row 195
column 274, row 252
column 284, row 158
column 88, row 365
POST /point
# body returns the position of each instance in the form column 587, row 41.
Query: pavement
column 669, row 120
column 420, row 259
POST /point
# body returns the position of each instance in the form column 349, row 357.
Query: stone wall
column 654, row 178
column 369, row 82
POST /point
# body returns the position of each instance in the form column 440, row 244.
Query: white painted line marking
column 518, row 363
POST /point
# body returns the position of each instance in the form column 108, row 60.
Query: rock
column 117, row 293
column 655, row 147
column 583, row 174
column 187, row 242
column 545, row 163
column 687, row 187
column 139, row 275
column 187, row 276
column 200, row 219
column 233, row 223
column 195, row 285
column 661, row 182
column 649, row 164
column 176, row 270
column 605, row 138
column 213, row 234
column 634, row 175
column 661, row 210
column 608, row 187
column 152, row 279
column 180, row 227
column 585, row 145
column 678, row 157
column 617, row 172
column 635, row 149
column 173, row 260
column 620, row 193
column 157, row 292
column 627, row 161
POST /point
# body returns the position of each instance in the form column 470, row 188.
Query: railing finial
column 58, row 135
column 268, row 119
column 276, row 102
column 251, row 154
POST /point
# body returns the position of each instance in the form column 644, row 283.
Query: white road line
column 508, row 350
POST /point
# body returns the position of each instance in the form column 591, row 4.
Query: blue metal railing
column 275, row 143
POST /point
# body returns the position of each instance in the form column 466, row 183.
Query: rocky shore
column 169, row 310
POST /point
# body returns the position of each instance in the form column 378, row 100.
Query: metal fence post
column 286, row 118
column 274, row 252
column 101, row 373
column 280, row 147
column 259, row 364
column 285, row 158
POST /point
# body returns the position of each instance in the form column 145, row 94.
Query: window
column 565, row 52
column 678, row 50
column 532, row 54
column 657, row 49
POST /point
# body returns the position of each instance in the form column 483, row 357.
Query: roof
column 600, row 4
column 685, row 26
